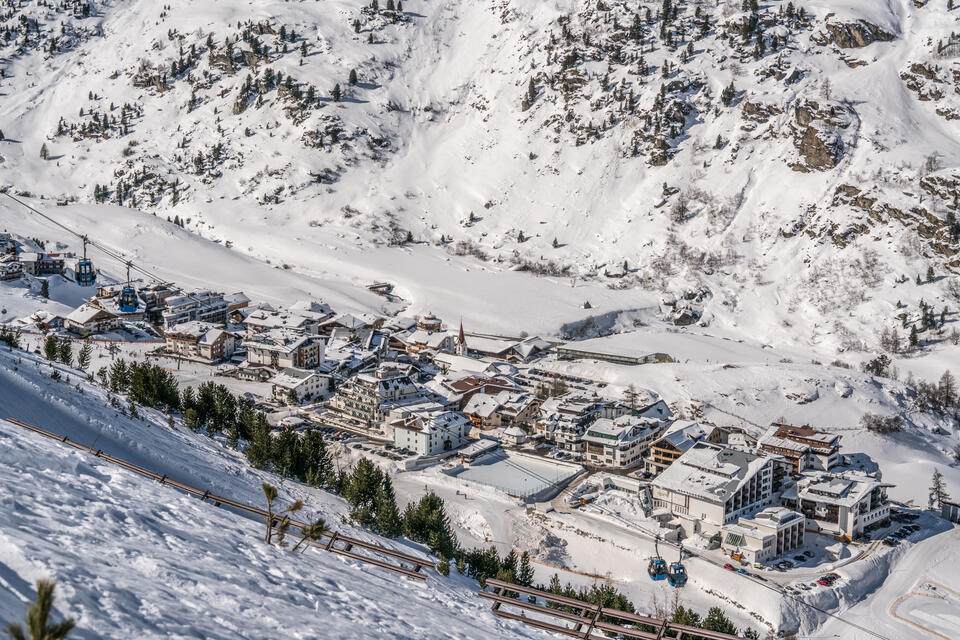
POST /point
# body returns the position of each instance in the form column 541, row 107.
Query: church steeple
column 461, row 341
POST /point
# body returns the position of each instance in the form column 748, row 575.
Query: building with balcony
column 768, row 534
column 710, row 486
column 297, row 386
column 200, row 340
column 426, row 432
column 622, row 442
column 283, row 349
column 804, row 447
column 203, row 306
column 503, row 409
column 678, row 439
column 840, row 505
column 364, row 401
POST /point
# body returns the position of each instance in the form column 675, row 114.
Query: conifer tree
column 336, row 93
column 312, row 531
column 353, row 77
column 65, row 352
column 51, row 348
column 38, row 618
column 728, row 94
column 525, row 571
column 938, row 490
column 44, row 152
column 45, row 288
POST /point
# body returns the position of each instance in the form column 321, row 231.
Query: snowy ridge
column 442, row 137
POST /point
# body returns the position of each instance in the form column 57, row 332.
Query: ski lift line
column 107, row 250
column 103, row 248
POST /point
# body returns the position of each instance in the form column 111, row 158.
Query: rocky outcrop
column 821, row 133
column 853, row 35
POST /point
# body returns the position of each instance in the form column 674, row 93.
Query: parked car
column 743, row 571
column 729, row 567
column 800, row 558
column 823, row 582
column 891, row 542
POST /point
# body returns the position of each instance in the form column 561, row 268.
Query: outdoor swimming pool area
column 518, row 475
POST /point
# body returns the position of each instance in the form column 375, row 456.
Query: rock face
column 853, row 35
column 821, row 133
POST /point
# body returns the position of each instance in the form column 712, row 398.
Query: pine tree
column 45, row 288
column 525, row 571
column 312, row 531
column 930, row 273
column 336, row 93
column 353, row 76
column 728, row 94
column 520, row 237
column 717, row 621
column 38, row 617
column 51, row 348
column 913, row 335
column 947, row 389
column 65, row 352
column 531, row 91
column 938, row 490
column 555, row 243
column 44, row 153
column 388, row 516
column 443, row 565
column 356, row 26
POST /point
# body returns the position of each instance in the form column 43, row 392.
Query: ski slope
column 135, row 558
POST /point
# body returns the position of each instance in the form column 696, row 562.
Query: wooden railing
column 579, row 619
column 332, row 541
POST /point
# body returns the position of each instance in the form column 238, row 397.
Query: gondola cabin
column 677, row 575
column 84, row 273
column 657, row 569
column 128, row 302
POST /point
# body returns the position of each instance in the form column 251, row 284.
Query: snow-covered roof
column 484, row 405
column 433, row 422
column 683, row 435
column 238, row 297
column 316, row 309
column 842, row 490
column 197, row 330
column 291, row 378
column 710, row 472
column 348, row 320
column 86, row 313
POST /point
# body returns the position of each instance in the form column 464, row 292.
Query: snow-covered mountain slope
column 132, row 557
column 826, row 173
